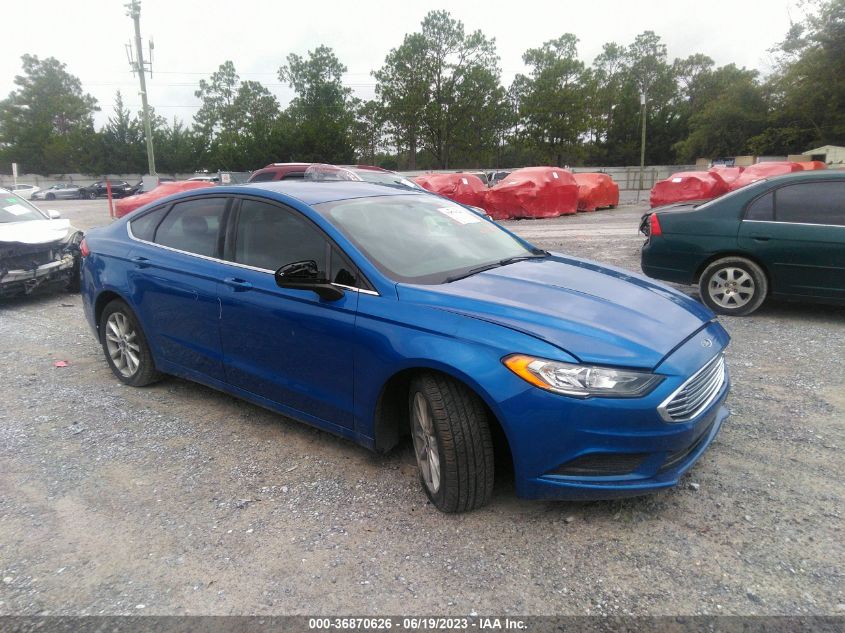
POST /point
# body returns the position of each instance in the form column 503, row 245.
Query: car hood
column 596, row 313
column 35, row 231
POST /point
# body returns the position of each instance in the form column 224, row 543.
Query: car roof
column 815, row 174
column 318, row 192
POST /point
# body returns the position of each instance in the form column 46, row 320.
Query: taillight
column 83, row 248
column 654, row 229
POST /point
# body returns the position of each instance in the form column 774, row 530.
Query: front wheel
column 733, row 286
column 125, row 346
column 452, row 443
column 92, row 195
column 50, row 196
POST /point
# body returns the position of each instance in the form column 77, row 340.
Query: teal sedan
column 782, row 237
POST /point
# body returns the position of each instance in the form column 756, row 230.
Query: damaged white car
column 37, row 248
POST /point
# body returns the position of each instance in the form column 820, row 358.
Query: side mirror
column 305, row 275
column 53, row 215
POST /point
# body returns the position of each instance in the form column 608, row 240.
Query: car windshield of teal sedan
column 424, row 239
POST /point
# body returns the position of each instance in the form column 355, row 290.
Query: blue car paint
column 327, row 363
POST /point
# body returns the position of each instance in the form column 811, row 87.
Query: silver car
column 60, row 191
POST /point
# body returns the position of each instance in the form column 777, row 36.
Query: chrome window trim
column 662, row 408
column 795, row 223
column 236, row 264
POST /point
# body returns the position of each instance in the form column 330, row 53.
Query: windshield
column 421, row 238
column 15, row 209
column 384, row 178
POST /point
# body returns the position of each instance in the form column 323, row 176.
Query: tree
column 236, row 121
column 404, row 93
column 552, row 100
column 47, row 124
column 368, row 131
column 807, row 91
column 322, row 113
column 122, row 139
column 441, row 92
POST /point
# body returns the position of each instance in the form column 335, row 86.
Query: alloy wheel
column 122, row 344
column 731, row 287
column 425, row 443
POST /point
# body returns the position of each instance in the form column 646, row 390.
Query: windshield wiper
column 537, row 254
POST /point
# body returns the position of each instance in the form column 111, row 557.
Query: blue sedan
column 377, row 312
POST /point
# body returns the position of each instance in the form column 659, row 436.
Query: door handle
column 141, row 262
column 240, row 285
column 760, row 238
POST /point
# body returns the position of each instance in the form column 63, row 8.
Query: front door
column 798, row 231
column 288, row 346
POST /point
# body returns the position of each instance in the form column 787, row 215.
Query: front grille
column 601, row 464
column 696, row 394
column 28, row 260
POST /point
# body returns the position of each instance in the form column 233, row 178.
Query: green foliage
column 440, row 103
column 322, row 113
column 47, row 122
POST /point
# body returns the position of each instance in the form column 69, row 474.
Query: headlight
column 581, row 381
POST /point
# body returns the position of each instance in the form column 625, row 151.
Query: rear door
column 798, row 231
column 288, row 346
column 177, row 266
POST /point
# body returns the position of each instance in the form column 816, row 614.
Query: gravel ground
column 177, row 499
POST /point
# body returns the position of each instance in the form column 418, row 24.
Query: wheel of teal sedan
column 733, row 286
column 452, row 443
column 125, row 346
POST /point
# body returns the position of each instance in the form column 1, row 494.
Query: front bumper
column 24, row 281
column 600, row 448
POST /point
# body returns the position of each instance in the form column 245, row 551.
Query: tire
column 92, row 195
column 733, row 286
column 50, row 196
column 458, row 430
column 143, row 371
column 74, row 284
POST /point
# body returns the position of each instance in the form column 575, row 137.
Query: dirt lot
column 177, row 499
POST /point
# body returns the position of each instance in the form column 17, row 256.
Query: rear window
column 263, row 177
column 193, row 226
column 144, row 228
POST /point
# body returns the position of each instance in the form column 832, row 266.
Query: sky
column 193, row 38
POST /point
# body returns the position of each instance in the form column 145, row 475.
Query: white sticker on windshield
column 465, row 181
column 16, row 209
column 461, row 216
column 554, row 174
column 677, row 179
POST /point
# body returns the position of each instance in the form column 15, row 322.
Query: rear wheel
column 733, row 286
column 452, row 443
column 125, row 346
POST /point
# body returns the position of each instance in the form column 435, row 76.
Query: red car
column 130, row 203
column 279, row 171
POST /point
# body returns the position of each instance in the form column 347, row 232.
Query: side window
column 342, row 271
column 268, row 237
column 144, row 228
column 763, row 208
column 811, row 203
column 266, row 176
column 293, row 175
column 193, row 226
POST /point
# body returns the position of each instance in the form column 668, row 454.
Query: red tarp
column 463, row 188
column 811, row 165
column 533, row 192
column 130, row 203
column 764, row 170
column 687, row 185
column 596, row 191
column 728, row 174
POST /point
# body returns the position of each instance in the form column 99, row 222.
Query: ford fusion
column 378, row 313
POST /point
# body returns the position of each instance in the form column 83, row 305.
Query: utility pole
column 139, row 66
column 643, row 99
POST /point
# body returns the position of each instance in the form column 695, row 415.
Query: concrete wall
column 628, row 178
column 6, row 180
